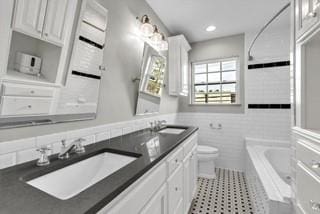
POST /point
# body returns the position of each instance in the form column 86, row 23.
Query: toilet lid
column 207, row 150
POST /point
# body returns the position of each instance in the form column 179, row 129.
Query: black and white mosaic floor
column 227, row 194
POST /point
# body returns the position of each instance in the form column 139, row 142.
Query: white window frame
column 238, row 83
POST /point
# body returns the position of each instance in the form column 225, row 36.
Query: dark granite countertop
column 17, row 197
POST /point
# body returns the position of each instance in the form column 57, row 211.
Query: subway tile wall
column 20, row 151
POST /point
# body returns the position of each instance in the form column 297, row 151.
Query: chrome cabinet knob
column 102, row 68
column 312, row 14
column 315, row 206
column 315, row 164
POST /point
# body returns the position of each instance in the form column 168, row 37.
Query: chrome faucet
column 75, row 146
column 157, row 125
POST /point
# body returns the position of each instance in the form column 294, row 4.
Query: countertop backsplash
column 24, row 150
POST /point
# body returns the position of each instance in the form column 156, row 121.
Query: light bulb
column 163, row 45
column 156, row 37
column 146, row 28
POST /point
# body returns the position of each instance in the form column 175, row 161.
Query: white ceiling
column 191, row 17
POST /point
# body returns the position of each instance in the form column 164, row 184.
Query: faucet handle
column 43, row 160
column 79, row 148
column 63, row 143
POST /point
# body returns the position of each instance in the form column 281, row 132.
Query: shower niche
column 308, row 83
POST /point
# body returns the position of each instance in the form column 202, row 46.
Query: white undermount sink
column 171, row 131
column 71, row 180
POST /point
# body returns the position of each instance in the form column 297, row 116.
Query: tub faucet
column 75, row 146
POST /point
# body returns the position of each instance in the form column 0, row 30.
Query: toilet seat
column 201, row 149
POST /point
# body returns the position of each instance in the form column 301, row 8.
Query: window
column 215, row 82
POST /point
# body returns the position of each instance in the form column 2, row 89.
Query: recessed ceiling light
column 211, row 28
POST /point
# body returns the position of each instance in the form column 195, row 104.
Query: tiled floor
column 227, row 194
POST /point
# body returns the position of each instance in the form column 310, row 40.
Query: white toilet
column 206, row 161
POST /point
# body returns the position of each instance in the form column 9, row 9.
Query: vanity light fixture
column 152, row 34
column 146, row 27
column 211, row 28
column 156, row 37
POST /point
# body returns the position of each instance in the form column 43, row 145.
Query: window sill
column 222, row 104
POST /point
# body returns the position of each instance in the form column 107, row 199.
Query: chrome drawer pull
column 315, row 164
column 312, row 14
column 315, row 206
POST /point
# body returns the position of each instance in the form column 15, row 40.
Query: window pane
column 200, row 89
column 214, row 88
column 229, row 76
column 200, row 78
column 229, row 88
column 229, row 65
column 214, row 77
column 214, row 67
column 214, row 98
column 200, row 68
column 228, row 97
column 200, row 98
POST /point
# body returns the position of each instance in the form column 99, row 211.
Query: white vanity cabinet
column 43, row 19
column 168, row 188
column 307, row 171
column 178, row 70
column 307, row 15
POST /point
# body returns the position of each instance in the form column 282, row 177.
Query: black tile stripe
column 269, row 106
column 92, row 76
column 269, row 65
column 91, row 42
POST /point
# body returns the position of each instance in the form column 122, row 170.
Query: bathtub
column 268, row 176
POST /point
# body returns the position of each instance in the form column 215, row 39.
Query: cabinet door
column 55, row 21
column 307, row 15
column 29, row 17
column 158, row 204
column 175, row 185
column 174, row 66
column 184, row 72
column 193, row 173
column 186, row 183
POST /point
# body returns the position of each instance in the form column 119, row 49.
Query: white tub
column 268, row 175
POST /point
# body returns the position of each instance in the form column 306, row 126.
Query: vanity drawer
column 309, row 155
column 15, row 106
column 191, row 142
column 25, row 90
column 175, row 160
column 308, row 185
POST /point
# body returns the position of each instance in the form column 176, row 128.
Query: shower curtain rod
column 264, row 27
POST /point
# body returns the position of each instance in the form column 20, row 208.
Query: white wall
column 262, row 86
